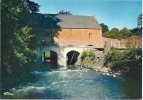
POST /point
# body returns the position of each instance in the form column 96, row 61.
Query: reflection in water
column 70, row 84
column 133, row 88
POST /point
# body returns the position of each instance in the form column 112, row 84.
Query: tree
column 64, row 12
column 104, row 28
column 107, row 34
column 139, row 21
column 125, row 32
column 136, row 31
column 16, row 53
column 114, row 33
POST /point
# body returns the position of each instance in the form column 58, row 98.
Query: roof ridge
column 64, row 14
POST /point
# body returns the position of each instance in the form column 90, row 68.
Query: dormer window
column 90, row 35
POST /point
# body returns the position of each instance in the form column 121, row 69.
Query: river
column 72, row 83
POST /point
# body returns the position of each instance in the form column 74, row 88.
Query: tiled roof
column 64, row 21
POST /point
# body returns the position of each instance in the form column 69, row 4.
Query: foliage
column 38, row 40
column 91, row 54
column 104, row 28
column 84, row 54
column 107, row 34
column 88, row 53
column 126, row 61
column 139, row 22
column 136, row 32
column 114, row 33
column 125, row 32
column 16, row 51
column 47, row 54
column 64, row 12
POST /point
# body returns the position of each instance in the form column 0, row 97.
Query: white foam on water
column 28, row 89
column 63, row 81
column 37, row 72
column 54, row 83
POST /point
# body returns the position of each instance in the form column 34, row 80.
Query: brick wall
column 89, row 35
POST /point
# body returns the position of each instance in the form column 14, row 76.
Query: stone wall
column 61, row 53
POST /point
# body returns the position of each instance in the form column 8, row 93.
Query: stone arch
column 61, row 54
column 72, row 57
column 54, row 53
column 51, row 58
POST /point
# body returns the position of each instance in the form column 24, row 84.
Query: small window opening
column 90, row 35
column 90, row 45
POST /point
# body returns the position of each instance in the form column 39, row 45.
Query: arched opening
column 90, row 45
column 50, row 57
column 72, row 57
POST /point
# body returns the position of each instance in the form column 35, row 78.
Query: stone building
column 68, row 35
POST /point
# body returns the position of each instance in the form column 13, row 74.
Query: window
column 90, row 35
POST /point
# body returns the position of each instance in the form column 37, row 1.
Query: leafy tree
column 139, row 21
column 136, row 31
column 114, row 33
column 104, row 28
column 125, row 32
column 64, row 12
column 16, row 53
column 107, row 34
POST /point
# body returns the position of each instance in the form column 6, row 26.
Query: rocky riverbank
column 104, row 70
column 98, row 65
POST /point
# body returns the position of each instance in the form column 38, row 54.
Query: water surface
column 73, row 83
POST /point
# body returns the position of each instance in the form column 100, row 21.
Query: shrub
column 125, row 61
column 91, row 54
column 88, row 53
column 84, row 54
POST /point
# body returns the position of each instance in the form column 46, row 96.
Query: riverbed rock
column 95, row 69
column 114, row 75
column 103, row 73
column 104, row 69
column 81, row 73
column 118, row 73
column 108, row 74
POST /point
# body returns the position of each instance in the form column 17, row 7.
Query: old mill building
column 66, row 36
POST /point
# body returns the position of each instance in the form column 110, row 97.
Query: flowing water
column 73, row 83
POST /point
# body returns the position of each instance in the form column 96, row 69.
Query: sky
column 113, row 13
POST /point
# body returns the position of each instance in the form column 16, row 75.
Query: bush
column 84, row 54
column 91, row 54
column 126, row 60
column 88, row 53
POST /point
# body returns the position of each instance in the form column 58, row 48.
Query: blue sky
column 113, row 13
